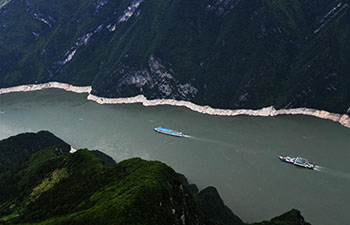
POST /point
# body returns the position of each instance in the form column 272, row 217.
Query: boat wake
column 332, row 172
column 224, row 144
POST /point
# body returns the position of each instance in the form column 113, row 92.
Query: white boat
column 298, row 161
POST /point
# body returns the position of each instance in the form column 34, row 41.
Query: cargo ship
column 298, row 161
column 170, row 132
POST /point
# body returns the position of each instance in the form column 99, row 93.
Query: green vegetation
column 48, row 183
column 52, row 187
column 77, row 188
column 259, row 53
column 19, row 148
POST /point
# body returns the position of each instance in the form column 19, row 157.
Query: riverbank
column 343, row 119
column 38, row 87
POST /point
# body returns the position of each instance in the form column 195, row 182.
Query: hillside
column 225, row 53
column 56, row 187
column 19, row 148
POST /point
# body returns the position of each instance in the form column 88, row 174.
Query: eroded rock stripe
column 343, row 119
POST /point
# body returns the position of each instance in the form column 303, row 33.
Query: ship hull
column 169, row 132
column 292, row 160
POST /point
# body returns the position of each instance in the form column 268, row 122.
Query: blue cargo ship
column 170, row 132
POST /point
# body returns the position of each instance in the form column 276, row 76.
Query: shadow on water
column 332, row 172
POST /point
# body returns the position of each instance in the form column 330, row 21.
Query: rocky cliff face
column 155, row 81
column 225, row 53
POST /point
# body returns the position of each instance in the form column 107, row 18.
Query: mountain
column 53, row 186
column 225, row 53
column 56, row 187
column 289, row 218
column 19, row 148
column 211, row 204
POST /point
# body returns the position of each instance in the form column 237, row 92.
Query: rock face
column 222, row 7
column 155, row 81
column 53, row 186
column 228, row 54
column 343, row 119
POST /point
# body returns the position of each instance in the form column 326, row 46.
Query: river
column 237, row 155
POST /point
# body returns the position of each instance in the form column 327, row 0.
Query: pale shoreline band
column 343, row 119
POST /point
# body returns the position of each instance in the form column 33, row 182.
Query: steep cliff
column 225, row 53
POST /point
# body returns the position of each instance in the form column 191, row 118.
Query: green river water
column 238, row 155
